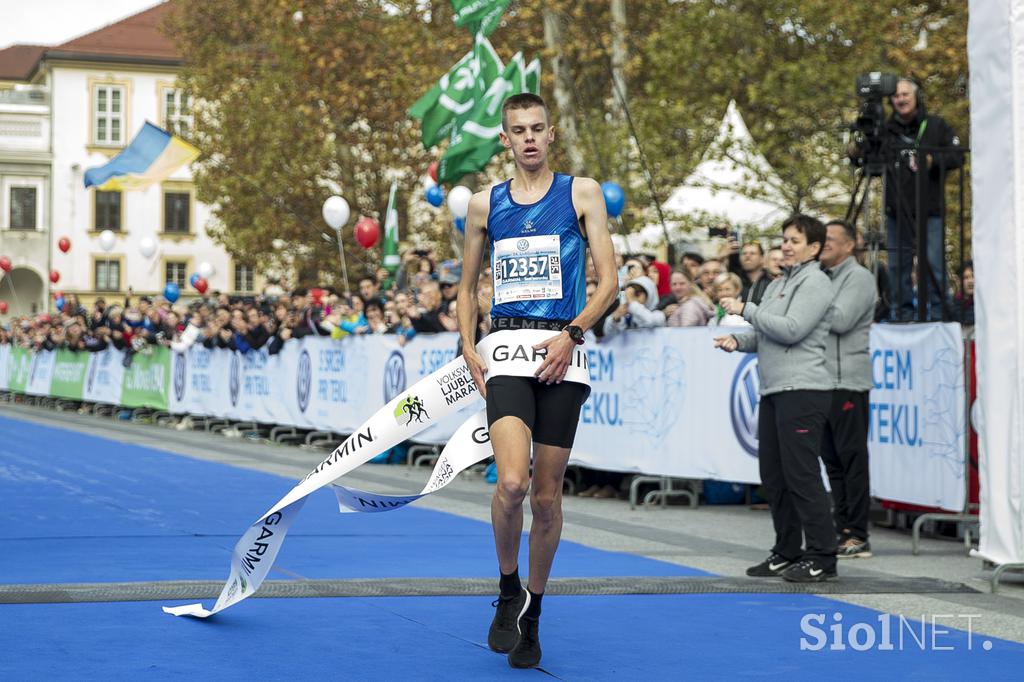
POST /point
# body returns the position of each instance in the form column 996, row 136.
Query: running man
column 539, row 226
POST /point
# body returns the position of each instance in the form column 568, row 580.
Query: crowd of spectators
column 418, row 298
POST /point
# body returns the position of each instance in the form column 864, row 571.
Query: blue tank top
column 537, row 254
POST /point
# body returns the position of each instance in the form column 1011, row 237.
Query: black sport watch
column 575, row 333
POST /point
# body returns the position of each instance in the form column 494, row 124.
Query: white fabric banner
column 441, row 393
column 995, row 50
column 5, row 366
column 665, row 402
column 917, row 418
column 104, row 378
column 41, row 373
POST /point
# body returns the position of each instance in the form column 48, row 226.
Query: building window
column 177, row 110
column 108, row 115
column 176, row 212
column 23, row 208
column 244, row 278
column 108, row 275
column 174, row 271
column 108, row 211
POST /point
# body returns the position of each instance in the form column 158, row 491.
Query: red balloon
column 3, row 306
column 367, row 232
column 432, row 170
column 64, row 244
column 201, row 285
column 54, row 276
column 5, row 263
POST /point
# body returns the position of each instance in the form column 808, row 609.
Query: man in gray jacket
column 845, row 443
column 790, row 328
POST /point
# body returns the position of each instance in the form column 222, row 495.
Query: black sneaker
column 526, row 653
column 809, row 571
column 854, row 548
column 770, row 567
column 503, row 633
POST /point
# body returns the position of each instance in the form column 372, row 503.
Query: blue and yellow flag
column 153, row 156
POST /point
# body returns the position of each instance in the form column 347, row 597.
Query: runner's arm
column 587, row 197
column 466, row 307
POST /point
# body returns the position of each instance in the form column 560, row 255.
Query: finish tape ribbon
column 446, row 391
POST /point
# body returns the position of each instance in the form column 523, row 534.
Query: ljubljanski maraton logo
column 394, row 376
column 304, row 380
column 409, row 409
column 744, row 402
column 179, row 376
column 235, row 382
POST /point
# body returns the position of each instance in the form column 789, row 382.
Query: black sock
column 533, row 610
column 510, row 585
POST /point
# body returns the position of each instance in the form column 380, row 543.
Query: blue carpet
column 443, row 638
column 78, row 508
column 83, row 509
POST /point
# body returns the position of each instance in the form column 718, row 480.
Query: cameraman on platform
column 914, row 142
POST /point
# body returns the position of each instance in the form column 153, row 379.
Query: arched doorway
column 23, row 291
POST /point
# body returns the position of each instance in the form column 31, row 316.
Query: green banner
column 21, row 369
column 391, row 258
column 477, row 141
column 146, row 382
column 480, row 16
column 69, row 374
column 447, row 104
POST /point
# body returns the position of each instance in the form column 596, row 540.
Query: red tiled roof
column 18, row 61
column 140, row 36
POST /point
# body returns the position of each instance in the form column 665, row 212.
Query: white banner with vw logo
column 917, row 422
column 665, row 402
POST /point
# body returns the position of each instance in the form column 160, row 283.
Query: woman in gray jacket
column 790, row 329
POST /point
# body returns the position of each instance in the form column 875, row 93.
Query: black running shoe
column 526, row 653
column 809, row 571
column 503, row 633
column 770, row 567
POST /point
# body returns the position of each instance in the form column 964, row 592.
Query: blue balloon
column 435, row 195
column 460, row 225
column 59, row 302
column 194, row 278
column 614, row 198
column 171, row 292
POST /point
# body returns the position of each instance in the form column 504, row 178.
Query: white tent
column 715, row 188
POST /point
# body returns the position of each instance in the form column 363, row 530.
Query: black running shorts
column 550, row 411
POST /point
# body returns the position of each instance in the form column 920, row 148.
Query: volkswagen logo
column 744, row 401
column 236, row 378
column 179, row 376
column 523, row 244
column 304, row 380
column 394, row 376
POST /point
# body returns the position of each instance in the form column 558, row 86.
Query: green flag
column 447, row 103
column 480, row 16
column 391, row 259
column 476, row 141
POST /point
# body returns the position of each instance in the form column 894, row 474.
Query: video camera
column 872, row 88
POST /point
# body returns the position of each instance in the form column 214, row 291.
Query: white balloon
column 458, row 200
column 205, row 270
column 107, row 240
column 147, row 247
column 336, row 212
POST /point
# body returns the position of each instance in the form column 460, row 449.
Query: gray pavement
column 723, row 540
